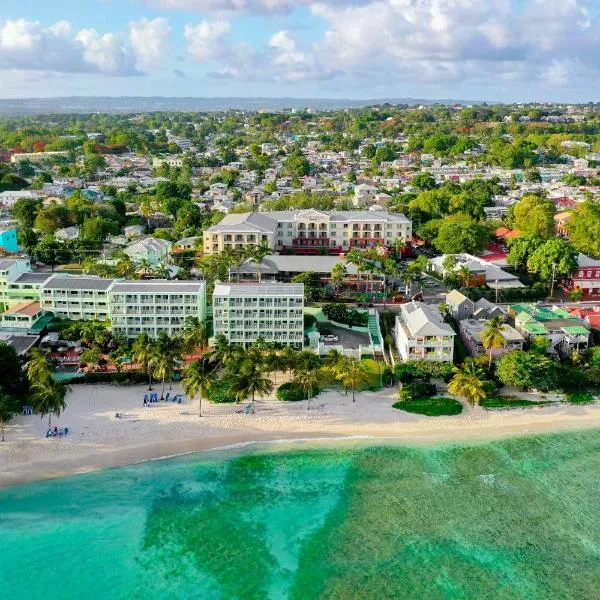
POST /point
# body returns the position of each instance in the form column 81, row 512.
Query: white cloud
column 31, row 46
column 149, row 40
column 241, row 6
column 207, row 40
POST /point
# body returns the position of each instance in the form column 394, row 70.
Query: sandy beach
column 100, row 440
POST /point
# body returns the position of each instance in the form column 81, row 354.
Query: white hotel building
column 308, row 231
column 274, row 312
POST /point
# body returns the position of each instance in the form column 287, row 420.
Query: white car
column 329, row 338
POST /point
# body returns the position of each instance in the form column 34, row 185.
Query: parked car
column 330, row 338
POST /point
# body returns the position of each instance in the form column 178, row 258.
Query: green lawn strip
column 431, row 407
column 580, row 398
column 508, row 402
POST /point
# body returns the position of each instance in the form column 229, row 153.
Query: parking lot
column 347, row 338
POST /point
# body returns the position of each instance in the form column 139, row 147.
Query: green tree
column 198, row 378
column 459, row 234
column 8, row 408
column 338, row 273
column 521, row 248
column 167, row 351
column 468, row 382
column 25, row 211
column 143, row 351
column 528, row 370
column 584, row 228
column 423, row 181
column 557, row 255
column 251, row 380
column 492, row 337
column 194, row 335
column 354, row 375
column 535, row 215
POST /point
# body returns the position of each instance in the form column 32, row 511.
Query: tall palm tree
column 143, row 351
column 250, row 380
column 464, row 275
column 468, row 382
column 338, row 273
column 274, row 362
column 49, row 398
column 289, row 357
column 356, row 258
column 444, row 309
column 167, row 352
column 144, row 267
column 197, row 380
column 221, row 350
column 258, row 254
column 308, row 381
column 125, row 267
column 161, row 271
column 37, row 367
column 335, row 365
column 193, row 335
column 7, row 410
column 492, row 337
column 354, row 374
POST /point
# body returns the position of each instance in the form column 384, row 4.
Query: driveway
column 348, row 338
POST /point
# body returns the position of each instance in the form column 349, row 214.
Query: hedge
column 290, row 392
column 423, row 369
column 220, row 391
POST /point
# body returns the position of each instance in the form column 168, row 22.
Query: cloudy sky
column 468, row 49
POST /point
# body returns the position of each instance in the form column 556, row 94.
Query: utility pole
column 553, row 277
column 497, row 291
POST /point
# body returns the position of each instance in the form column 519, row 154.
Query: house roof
column 586, row 261
column 455, row 297
column 157, row 286
column 59, row 282
column 26, row 308
column 424, row 320
column 261, row 289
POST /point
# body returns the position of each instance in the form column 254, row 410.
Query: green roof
column 535, row 328
column 576, row 330
column 525, row 317
column 520, row 308
column 562, row 313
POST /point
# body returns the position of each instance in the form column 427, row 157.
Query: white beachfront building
column 422, row 334
column 244, row 313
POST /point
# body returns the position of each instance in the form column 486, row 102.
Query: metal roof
column 157, row 286
column 261, row 289
column 32, row 278
column 78, row 283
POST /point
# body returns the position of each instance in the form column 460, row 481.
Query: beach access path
column 99, row 439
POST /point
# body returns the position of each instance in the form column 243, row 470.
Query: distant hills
column 90, row 104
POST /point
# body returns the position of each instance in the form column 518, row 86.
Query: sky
column 495, row 50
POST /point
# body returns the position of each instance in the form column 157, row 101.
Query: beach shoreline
column 98, row 440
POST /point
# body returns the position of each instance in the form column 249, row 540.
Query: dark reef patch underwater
column 518, row 518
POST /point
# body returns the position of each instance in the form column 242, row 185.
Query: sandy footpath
column 99, row 440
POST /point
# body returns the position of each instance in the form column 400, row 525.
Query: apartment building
column 10, row 270
column 77, row 298
column 422, row 334
column 308, row 231
column 243, row 313
column 38, row 156
column 155, row 306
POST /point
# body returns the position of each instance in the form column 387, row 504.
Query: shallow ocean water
column 518, row 518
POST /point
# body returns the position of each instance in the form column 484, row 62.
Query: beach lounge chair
column 167, row 397
column 249, row 409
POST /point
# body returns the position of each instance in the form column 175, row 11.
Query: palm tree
column 289, row 357
column 198, row 379
column 355, row 257
column 49, row 398
column 444, row 309
column 308, row 381
column 221, row 350
column 144, row 267
column 167, row 352
column 464, row 275
column 492, row 337
column 161, row 271
column 250, row 380
column 125, row 267
column 468, row 382
column 354, row 374
column 274, row 361
column 335, row 364
column 37, row 367
column 193, row 335
column 338, row 273
column 7, row 410
column 258, row 253
column 143, row 351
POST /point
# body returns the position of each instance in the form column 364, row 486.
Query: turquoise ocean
column 518, row 518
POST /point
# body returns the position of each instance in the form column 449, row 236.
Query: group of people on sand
column 153, row 397
column 57, row 432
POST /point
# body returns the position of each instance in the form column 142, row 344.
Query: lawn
column 506, row 402
column 580, row 398
column 431, row 407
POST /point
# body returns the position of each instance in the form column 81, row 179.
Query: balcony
column 311, row 241
column 366, row 242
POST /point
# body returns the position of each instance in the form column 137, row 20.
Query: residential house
column 471, row 333
column 67, row 234
column 152, row 250
column 8, row 240
column 587, row 276
column 422, row 334
column 459, row 306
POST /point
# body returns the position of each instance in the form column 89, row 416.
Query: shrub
column 220, row 391
column 417, row 390
column 309, row 321
column 431, row 407
column 423, row 369
column 290, row 392
column 580, row 398
column 507, row 402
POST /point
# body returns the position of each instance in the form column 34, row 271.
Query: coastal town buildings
column 244, row 313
